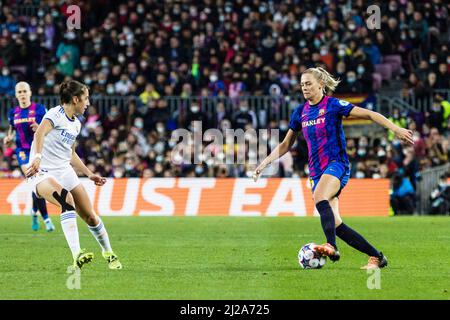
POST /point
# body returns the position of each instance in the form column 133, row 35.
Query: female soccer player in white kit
column 53, row 177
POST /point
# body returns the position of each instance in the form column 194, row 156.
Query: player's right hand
column 7, row 140
column 34, row 168
column 256, row 174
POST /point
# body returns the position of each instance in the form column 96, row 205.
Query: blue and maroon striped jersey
column 21, row 118
column 321, row 125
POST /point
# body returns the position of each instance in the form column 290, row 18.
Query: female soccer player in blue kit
column 24, row 119
column 320, row 120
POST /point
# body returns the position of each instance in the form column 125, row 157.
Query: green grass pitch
column 225, row 258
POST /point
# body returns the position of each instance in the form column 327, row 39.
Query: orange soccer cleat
column 329, row 251
column 376, row 262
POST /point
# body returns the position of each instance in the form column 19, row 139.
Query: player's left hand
column 405, row 135
column 34, row 126
column 98, row 180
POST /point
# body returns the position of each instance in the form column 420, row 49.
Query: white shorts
column 66, row 177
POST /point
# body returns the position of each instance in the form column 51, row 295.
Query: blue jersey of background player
column 24, row 120
column 320, row 121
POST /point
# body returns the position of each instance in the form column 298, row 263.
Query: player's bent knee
column 65, row 200
column 91, row 220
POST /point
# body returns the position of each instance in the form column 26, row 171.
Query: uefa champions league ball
column 309, row 259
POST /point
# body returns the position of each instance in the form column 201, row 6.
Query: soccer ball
column 309, row 259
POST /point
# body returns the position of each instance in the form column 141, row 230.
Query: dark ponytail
column 70, row 89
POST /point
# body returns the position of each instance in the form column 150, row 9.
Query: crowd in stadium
column 152, row 49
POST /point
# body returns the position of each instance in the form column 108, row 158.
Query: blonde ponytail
column 325, row 78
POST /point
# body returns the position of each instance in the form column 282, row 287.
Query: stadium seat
column 385, row 70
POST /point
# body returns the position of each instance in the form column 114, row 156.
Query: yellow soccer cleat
column 82, row 258
column 113, row 260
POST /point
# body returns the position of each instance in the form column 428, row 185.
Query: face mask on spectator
column 244, row 108
column 360, row 175
column 317, row 43
column 118, row 174
column 160, row 129
column 5, row 72
column 122, row 42
column 302, row 43
column 110, row 90
column 128, row 167
column 246, row 9
column 32, row 36
column 195, row 109
column 262, row 9
column 176, row 28
column 114, row 113
column 213, row 78
column 63, row 60
column 361, row 152
column 323, row 52
column 283, row 127
column 121, row 59
column 221, row 18
column 84, row 63
column 101, row 81
column 433, row 60
column 351, row 79
column 50, row 83
column 198, row 170
column 228, row 9
column 40, row 13
column 88, row 81
column 360, row 70
column 140, row 9
column 341, row 53
column 293, row 82
column 139, row 124
column 172, row 143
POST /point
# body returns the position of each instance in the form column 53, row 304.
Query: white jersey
column 57, row 150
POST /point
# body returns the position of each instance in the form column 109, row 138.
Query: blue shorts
column 337, row 169
column 23, row 156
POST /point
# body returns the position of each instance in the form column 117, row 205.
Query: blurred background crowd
column 154, row 49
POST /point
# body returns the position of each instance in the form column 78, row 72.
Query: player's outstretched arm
column 278, row 152
column 44, row 128
column 403, row 134
column 9, row 137
column 79, row 165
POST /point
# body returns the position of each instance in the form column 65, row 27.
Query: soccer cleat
column 82, row 258
column 34, row 223
column 376, row 262
column 329, row 251
column 49, row 225
column 113, row 260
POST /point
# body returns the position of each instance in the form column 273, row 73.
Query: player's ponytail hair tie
column 70, row 89
column 323, row 76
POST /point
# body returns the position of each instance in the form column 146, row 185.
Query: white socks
column 99, row 233
column 70, row 229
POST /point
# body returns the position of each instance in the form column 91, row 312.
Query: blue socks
column 327, row 220
column 355, row 240
column 41, row 205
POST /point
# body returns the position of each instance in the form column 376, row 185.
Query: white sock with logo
column 70, row 229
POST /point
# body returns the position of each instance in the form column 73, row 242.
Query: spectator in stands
column 7, row 83
column 403, row 195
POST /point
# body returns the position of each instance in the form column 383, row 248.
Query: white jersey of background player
column 53, row 177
